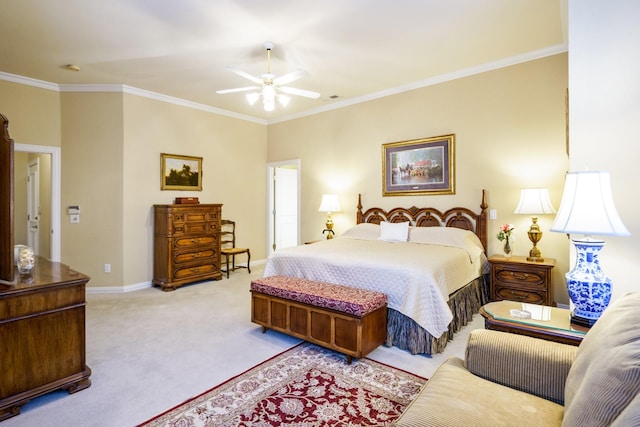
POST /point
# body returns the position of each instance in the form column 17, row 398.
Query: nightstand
column 516, row 279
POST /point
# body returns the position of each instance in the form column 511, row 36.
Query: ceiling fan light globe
column 284, row 100
column 253, row 98
column 269, row 93
column 269, row 106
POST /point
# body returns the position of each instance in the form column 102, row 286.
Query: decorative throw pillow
column 604, row 380
column 394, row 231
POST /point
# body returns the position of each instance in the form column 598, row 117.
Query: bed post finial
column 359, row 216
column 481, row 222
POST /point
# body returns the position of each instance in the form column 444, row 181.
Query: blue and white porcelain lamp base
column 589, row 288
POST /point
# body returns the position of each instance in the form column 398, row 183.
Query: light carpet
column 306, row 386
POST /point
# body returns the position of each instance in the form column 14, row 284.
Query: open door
column 284, row 207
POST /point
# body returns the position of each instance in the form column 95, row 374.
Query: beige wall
column 510, row 134
column 604, row 133
column 33, row 114
column 234, row 174
column 92, row 178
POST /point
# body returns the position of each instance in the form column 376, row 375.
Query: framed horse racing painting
column 419, row 166
column 180, row 172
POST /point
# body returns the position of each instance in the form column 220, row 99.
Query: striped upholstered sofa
column 513, row 380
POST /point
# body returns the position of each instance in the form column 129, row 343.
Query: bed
column 431, row 264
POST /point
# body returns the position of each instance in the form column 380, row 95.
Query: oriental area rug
column 305, row 386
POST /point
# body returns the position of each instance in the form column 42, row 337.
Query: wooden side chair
column 228, row 247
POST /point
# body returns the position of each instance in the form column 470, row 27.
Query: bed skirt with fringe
column 406, row 334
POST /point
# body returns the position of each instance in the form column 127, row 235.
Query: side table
column 516, row 279
column 557, row 328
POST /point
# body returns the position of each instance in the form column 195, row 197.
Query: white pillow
column 394, row 231
column 448, row 236
column 364, row 231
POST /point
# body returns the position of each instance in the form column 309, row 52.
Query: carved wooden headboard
column 457, row 217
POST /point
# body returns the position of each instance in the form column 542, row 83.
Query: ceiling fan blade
column 289, row 77
column 238, row 89
column 241, row 73
column 299, row 92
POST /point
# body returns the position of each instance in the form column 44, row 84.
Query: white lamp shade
column 587, row 206
column 534, row 201
column 329, row 203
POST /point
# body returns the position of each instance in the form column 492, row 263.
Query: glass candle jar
column 26, row 260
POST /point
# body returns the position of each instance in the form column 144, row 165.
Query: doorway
column 53, row 218
column 283, row 209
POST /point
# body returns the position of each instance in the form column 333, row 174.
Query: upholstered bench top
column 344, row 299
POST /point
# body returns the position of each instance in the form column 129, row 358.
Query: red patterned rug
column 305, row 386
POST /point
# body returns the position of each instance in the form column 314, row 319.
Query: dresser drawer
column 194, row 242
column 201, row 255
column 520, row 295
column 535, row 279
column 193, row 271
column 188, row 228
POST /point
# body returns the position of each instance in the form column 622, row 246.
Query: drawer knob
column 518, row 295
column 519, row 276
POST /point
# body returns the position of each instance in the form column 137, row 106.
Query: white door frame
column 55, row 153
column 270, row 204
column 33, row 205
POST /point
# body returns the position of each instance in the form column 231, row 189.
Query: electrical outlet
column 493, row 214
column 74, row 219
column 107, row 268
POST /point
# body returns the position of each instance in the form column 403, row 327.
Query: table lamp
column 534, row 201
column 329, row 205
column 587, row 208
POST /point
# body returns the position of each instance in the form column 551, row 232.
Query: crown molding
column 489, row 66
column 28, row 81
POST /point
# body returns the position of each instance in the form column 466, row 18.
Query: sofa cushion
column 455, row 397
column 604, row 380
column 527, row 364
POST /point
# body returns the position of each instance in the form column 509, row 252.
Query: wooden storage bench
column 349, row 320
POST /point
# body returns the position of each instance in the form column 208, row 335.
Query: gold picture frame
column 423, row 166
column 181, row 173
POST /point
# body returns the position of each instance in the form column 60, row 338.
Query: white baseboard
column 138, row 286
column 117, row 289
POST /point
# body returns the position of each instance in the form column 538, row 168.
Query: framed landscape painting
column 180, row 172
column 419, row 166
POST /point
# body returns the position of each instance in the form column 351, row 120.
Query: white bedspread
column 417, row 278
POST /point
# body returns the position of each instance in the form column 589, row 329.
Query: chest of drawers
column 516, row 279
column 42, row 335
column 186, row 244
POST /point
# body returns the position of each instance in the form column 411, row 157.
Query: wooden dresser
column 186, row 244
column 516, row 279
column 42, row 335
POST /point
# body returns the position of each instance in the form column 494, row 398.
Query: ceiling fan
column 270, row 86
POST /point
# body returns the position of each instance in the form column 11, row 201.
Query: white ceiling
column 352, row 49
